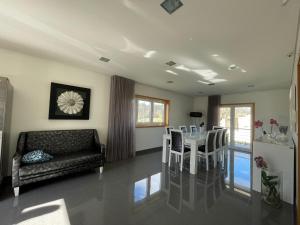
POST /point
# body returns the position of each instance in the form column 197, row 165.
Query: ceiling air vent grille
column 171, row 63
column 171, row 5
column 103, row 59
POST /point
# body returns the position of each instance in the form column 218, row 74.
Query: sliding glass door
column 238, row 119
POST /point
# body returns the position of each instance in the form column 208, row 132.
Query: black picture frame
column 54, row 111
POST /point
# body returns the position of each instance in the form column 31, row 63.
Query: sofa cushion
column 60, row 141
column 36, row 156
column 60, row 162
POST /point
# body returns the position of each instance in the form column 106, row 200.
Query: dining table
column 193, row 140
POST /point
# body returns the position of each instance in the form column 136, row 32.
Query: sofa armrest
column 16, row 164
column 16, row 161
column 100, row 147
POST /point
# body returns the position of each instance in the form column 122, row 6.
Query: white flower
column 70, row 102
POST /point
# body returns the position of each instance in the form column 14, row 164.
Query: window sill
column 149, row 126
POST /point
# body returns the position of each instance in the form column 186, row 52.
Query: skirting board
column 148, row 151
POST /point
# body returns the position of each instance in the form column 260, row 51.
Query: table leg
column 193, row 158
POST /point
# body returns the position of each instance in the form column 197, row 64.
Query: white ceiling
column 256, row 35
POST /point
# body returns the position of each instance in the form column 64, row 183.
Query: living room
column 91, row 89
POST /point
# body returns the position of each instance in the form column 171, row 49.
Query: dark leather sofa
column 73, row 151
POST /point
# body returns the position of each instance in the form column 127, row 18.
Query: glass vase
column 270, row 187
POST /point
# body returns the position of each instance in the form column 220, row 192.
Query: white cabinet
column 280, row 158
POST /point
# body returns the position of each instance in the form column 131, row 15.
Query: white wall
column 268, row 104
column 180, row 107
column 31, row 78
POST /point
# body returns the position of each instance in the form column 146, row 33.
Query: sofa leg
column 16, row 191
column 101, row 169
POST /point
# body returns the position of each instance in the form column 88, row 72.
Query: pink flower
column 273, row 122
column 260, row 162
column 258, row 124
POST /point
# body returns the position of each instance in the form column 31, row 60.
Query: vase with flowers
column 273, row 124
column 270, row 183
column 259, row 127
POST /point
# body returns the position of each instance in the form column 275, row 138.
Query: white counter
column 280, row 158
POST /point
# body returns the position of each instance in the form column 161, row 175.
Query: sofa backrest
column 60, row 141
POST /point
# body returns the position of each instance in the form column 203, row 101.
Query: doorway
column 238, row 119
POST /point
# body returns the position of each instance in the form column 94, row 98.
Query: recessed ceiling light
column 172, row 72
column 170, row 82
column 211, row 84
column 149, row 54
column 244, row 71
column 183, row 67
column 171, row 63
column 203, row 82
column 171, row 5
column 232, row 67
column 103, row 59
column 215, row 55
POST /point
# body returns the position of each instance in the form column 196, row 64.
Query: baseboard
column 148, row 151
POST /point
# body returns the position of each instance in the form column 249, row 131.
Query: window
column 151, row 112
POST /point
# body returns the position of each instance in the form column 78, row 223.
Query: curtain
column 213, row 109
column 121, row 126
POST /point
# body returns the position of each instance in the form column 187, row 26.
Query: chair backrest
column 193, row 129
column 177, row 140
column 183, row 129
column 217, row 128
column 224, row 140
column 210, row 145
column 219, row 138
column 168, row 129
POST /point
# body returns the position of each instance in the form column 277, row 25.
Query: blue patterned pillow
column 36, row 156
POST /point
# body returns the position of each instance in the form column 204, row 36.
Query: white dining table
column 193, row 140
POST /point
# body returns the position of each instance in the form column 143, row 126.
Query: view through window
column 151, row 112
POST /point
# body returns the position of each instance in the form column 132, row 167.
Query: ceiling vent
column 171, row 5
column 171, row 63
column 211, row 84
column 103, row 59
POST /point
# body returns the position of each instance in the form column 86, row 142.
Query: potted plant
column 270, row 183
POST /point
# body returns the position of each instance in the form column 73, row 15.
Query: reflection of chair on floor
column 175, row 191
column 210, row 182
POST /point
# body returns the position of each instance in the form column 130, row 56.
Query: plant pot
column 270, row 188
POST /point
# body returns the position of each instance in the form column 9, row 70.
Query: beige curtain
column 121, row 126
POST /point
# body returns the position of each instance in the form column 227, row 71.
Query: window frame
column 152, row 100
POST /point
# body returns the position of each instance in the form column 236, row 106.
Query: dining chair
column 167, row 129
column 217, row 127
column 193, row 129
column 183, row 129
column 224, row 145
column 218, row 145
column 208, row 149
column 177, row 147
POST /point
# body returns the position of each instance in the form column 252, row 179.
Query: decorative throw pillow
column 36, row 156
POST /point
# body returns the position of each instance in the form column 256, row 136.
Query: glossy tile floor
column 143, row 191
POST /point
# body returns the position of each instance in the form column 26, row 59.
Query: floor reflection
column 145, row 191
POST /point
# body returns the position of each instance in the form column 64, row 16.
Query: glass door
column 238, row 120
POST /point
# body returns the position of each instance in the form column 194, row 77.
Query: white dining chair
column 209, row 148
column 167, row 129
column 193, row 129
column 217, row 127
column 224, row 145
column 177, row 147
column 183, row 129
column 219, row 149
